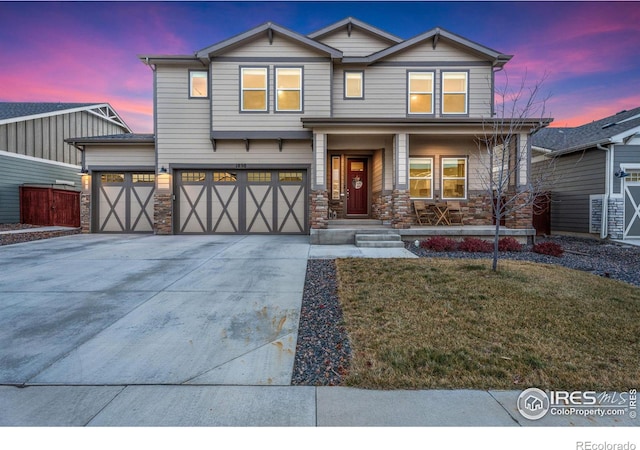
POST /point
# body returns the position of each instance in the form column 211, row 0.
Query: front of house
column 272, row 131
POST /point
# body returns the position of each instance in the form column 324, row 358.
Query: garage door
column 125, row 202
column 241, row 201
column 632, row 205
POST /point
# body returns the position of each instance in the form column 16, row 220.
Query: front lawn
column 440, row 323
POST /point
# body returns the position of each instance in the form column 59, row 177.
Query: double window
column 254, row 89
column 453, row 182
column 454, row 92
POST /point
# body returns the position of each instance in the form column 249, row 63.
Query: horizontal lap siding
column 44, row 137
column 576, row 176
column 15, row 171
column 109, row 156
column 360, row 43
column 260, row 152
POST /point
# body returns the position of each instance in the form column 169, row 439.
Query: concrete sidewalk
column 273, row 406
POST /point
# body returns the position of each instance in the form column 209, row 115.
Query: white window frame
column 298, row 89
column 465, row 178
column 266, row 89
column 432, row 92
column 465, row 92
column 430, row 178
column 191, row 77
column 360, row 73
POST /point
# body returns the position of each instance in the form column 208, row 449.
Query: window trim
column 190, row 81
column 466, row 93
column 466, row 177
column 242, row 90
column 422, row 158
column 301, row 90
column 361, row 96
column 433, row 93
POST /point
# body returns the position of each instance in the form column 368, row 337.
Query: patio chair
column 423, row 213
column 455, row 213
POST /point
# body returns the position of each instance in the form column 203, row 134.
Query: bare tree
column 505, row 169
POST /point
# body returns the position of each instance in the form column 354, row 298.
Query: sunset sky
column 87, row 51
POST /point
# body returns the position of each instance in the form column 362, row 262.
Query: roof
column 20, row 111
column 612, row 129
column 352, row 22
column 124, row 138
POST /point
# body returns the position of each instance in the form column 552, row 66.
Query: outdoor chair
column 423, row 213
column 455, row 213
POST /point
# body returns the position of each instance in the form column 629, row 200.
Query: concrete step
column 378, row 240
column 388, row 236
column 354, row 222
column 379, row 244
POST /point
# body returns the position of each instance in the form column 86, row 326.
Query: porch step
column 354, row 223
column 379, row 240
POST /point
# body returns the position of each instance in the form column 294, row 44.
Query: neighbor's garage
column 125, row 202
column 241, row 201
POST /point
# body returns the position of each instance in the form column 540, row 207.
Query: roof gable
column 268, row 30
column 21, row 111
column 349, row 24
column 610, row 129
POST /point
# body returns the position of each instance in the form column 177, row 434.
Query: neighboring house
column 272, row 131
column 589, row 191
column 33, row 148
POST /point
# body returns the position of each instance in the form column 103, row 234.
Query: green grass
column 436, row 323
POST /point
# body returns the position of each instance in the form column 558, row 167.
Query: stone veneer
column 382, row 207
column 85, row 212
column 162, row 213
column 615, row 217
column 402, row 211
column 319, row 209
column 522, row 218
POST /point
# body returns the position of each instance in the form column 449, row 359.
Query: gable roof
column 267, row 29
column 352, row 22
column 497, row 58
column 612, row 129
column 11, row 112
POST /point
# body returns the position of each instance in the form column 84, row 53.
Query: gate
column 49, row 206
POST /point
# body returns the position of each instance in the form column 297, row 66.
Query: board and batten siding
column 624, row 154
column 44, row 137
column 359, row 43
column 576, row 177
column 112, row 156
column 16, row 170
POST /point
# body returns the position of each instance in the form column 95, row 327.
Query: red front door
column 357, row 187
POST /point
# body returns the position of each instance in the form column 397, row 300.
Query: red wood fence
column 49, row 206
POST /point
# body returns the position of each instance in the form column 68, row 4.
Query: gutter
column 604, row 228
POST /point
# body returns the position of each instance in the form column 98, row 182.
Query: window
column 290, row 177
column 454, row 178
column 112, row 178
column 354, row 84
column 259, row 177
column 454, row 92
column 420, row 93
column 192, row 176
column 289, row 89
column 225, row 177
column 254, row 89
column 143, row 177
column 198, row 86
column 335, row 178
column 420, row 177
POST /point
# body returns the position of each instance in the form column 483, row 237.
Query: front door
column 357, row 187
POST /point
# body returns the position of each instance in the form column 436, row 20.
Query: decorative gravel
column 609, row 259
column 323, row 351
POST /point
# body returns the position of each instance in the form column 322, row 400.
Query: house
column 272, row 131
column 596, row 184
column 33, row 148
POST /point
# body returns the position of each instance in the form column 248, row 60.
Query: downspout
column 604, row 228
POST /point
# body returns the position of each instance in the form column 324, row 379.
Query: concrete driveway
column 128, row 310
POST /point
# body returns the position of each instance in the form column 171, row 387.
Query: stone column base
column 319, row 209
column 85, row 212
column 401, row 207
column 163, row 213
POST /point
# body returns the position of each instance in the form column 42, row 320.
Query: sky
column 585, row 54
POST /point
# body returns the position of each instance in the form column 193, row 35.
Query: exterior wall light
column 163, row 180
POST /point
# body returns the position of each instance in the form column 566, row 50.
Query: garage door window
column 290, row 176
column 259, row 177
column 143, row 177
column 192, row 176
column 225, row 177
column 112, row 178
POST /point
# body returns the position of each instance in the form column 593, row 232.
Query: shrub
column 548, row 248
column 475, row 245
column 439, row 244
column 509, row 244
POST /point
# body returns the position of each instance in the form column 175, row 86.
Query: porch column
column 401, row 200
column 319, row 201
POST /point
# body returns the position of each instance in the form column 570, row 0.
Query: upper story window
column 289, row 89
column 253, row 89
column 454, row 92
column 198, row 84
column 354, row 84
column 420, row 93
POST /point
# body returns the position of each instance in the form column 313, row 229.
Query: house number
column 241, row 166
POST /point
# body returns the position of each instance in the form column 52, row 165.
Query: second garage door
column 241, row 201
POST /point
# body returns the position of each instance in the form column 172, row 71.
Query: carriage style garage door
column 241, row 201
column 632, row 205
column 125, row 202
